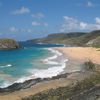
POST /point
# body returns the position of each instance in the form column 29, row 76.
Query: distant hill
column 6, row 44
column 72, row 39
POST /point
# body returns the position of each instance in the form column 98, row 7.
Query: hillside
column 6, row 44
column 87, row 89
column 72, row 39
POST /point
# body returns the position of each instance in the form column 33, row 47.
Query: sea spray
column 51, row 71
column 47, row 73
column 5, row 66
column 55, row 64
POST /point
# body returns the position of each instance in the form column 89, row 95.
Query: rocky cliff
column 7, row 44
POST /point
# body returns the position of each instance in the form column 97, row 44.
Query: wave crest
column 5, row 66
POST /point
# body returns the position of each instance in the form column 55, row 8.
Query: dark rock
column 7, row 44
column 29, row 83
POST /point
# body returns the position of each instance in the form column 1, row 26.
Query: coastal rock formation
column 94, row 42
column 7, row 44
column 29, row 83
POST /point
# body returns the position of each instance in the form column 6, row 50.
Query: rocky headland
column 8, row 44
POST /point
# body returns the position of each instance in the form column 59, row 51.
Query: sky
column 28, row 19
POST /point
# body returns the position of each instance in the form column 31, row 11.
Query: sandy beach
column 82, row 54
column 76, row 57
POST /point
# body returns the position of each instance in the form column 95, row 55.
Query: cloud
column 97, row 19
column 22, row 10
column 89, row 4
column 71, row 24
column 38, row 15
column 15, row 30
column 35, row 23
column 83, row 25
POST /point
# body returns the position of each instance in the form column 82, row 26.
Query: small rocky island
column 8, row 44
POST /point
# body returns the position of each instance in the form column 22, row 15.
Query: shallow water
column 29, row 62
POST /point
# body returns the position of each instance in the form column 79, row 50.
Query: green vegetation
column 8, row 44
column 72, row 39
column 90, row 66
column 6, row 40
column 88, row 89
column 95, row 42
column 64, row 93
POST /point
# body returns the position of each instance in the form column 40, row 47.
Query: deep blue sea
column 31, row 61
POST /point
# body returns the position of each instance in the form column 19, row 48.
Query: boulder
column 7, row 44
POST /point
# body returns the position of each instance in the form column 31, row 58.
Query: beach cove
column 74, row 64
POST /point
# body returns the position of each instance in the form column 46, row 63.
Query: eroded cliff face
column 7, row 44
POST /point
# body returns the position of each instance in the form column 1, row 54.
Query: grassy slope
column 7, row 40
column 70, row 93
column 88, row 89
column 76, row 38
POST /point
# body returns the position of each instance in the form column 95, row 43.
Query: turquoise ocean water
column 26, row 63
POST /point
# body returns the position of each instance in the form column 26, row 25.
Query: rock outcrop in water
column 7, row 44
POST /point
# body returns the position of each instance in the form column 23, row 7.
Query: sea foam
column 54, row 70
column 57, row 67
column 4, row 66
column 50, row 72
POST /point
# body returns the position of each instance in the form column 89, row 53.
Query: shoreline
column 72, row 65
column 51, row 72
column 64, row 79
column 56, row 64
column 81, row 54
column 54, row 70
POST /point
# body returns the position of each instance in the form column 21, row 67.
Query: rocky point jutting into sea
column 8, row 44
